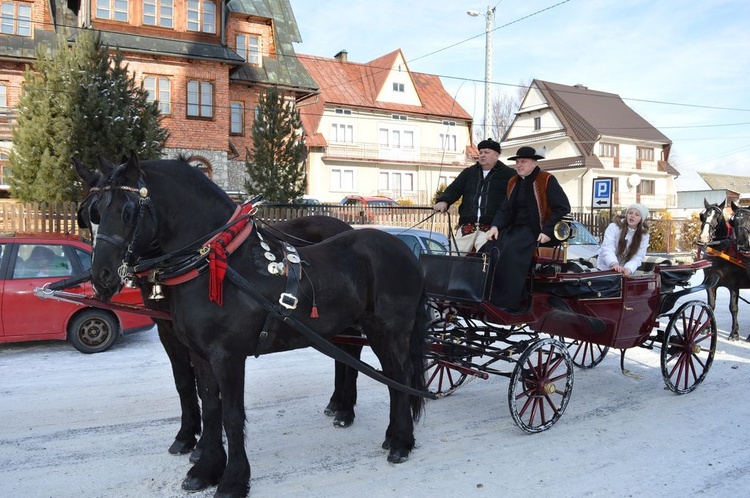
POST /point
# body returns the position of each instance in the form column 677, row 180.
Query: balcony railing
column 7, row 122
column 374, row 152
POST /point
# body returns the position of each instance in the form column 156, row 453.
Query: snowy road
column 74, row 425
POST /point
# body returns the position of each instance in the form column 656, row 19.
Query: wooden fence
column 38, row 217
column 61, row 218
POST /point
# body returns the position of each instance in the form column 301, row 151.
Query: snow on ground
column 74, row 425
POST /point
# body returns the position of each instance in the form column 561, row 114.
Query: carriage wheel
column 540, row 385
column 441, row 378
column 584, row 354
column 446, row 350
column 689, row 347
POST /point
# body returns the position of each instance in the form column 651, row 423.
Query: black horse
column 360, row 278
column 186, row 367
column 726, row 263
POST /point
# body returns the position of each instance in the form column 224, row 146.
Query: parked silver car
column 419, row 240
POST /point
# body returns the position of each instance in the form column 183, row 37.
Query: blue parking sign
column 602, row 193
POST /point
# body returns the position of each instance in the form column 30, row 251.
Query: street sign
column 602, row 194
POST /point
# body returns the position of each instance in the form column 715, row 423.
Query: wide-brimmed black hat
column 526, row 153
column 488, row 143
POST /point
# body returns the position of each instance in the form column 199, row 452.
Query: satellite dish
column 634, row 180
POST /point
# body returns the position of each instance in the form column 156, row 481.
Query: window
column 398, row 87
column 342, row 179
column 396, row 182
column 200, row 99
column 647, row 187
column 449, row 123
column 236, row 118
column 201, row 16
column 37, row 260
column 346, row 112
column 113, row 10
column 400, row 117
column 608, row 150
column 342, row 133
column 159, row 89
column 4, row 168
column 537, row 123
column 248, row 46
column 395, row 139
column 408, row 140
column 644, row 153
column 158, row 13
column 16, row 19
column 448, row 142
column 3, row 97
column 384, row 137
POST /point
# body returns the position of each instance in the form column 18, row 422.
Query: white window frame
column 236, row 118
column 159, row 89
column 249, row 47
column 159, row 13
column 343, row 179
column 342, row 133
column 113, row 10
column 16, row 19
column 449, row 142
column 201, row 16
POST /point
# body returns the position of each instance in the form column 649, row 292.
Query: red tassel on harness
column 217, row 260
column 314, row 312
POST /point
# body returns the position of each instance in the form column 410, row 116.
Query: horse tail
column 417, row 354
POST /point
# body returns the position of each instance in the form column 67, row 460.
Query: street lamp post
column 490, row 21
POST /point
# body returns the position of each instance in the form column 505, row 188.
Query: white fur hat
column 641, row 208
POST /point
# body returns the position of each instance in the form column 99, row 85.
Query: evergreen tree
column 79, row 101
column 275, row 165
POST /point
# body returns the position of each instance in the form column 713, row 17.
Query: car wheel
column 93, row 331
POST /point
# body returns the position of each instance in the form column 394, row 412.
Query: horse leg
column 734, row 295
column 209, row 457
column 711, row 297
column 184, row 379
column 341, row 404
column 230, row 373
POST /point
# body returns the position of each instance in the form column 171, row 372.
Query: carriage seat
column 586, row 286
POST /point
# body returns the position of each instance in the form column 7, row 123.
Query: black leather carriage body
column 455, row 278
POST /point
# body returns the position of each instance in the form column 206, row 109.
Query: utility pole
column 490, row 22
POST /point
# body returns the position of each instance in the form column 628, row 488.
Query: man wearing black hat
column 482, row 189
column 536, row 202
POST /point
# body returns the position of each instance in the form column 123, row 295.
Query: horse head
column 115, row 211
column 740, row 222
column 713, row 225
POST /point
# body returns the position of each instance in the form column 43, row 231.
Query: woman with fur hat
column 625, row 242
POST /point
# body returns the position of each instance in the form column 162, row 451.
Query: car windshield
column 582, row 236
column 434, row 246
column 381, row 203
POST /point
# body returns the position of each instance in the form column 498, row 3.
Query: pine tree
column 79, row 101
column 275, row 165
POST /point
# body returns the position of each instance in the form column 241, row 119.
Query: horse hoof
column 181, row 447
column 386, row 444
column 343, row 421
column 398, row 456
column 195, row 455
column 734, row 337
column 194, row 483
column 330, row 409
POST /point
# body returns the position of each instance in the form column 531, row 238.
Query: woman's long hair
column 624, row 252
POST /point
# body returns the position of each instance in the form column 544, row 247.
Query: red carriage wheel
column 447, row 351
column 584, row 354
column 540, row 385
column 689, row 347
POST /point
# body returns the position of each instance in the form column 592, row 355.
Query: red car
column 28, row 261
column 364, row 209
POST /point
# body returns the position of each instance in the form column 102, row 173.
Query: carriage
column 162, row 223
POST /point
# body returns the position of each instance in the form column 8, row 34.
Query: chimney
column 341, row 56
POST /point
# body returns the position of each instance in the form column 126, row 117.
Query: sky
column 682, row 65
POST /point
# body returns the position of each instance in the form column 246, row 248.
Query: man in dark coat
column 481, row 188
column 535, row 203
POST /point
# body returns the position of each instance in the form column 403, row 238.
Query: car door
column 24, row 314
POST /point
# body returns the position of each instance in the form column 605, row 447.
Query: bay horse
column 187, row 368
column 726, row 264
column 359, row 278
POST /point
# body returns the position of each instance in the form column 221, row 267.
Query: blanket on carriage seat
column 583, row 287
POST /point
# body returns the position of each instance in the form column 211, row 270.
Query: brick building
column 205, row 61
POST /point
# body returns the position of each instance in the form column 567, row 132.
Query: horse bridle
column 705, row 221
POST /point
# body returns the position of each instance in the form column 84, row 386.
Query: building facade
column 205, row 61
column 377, row 128
column 586, row 135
